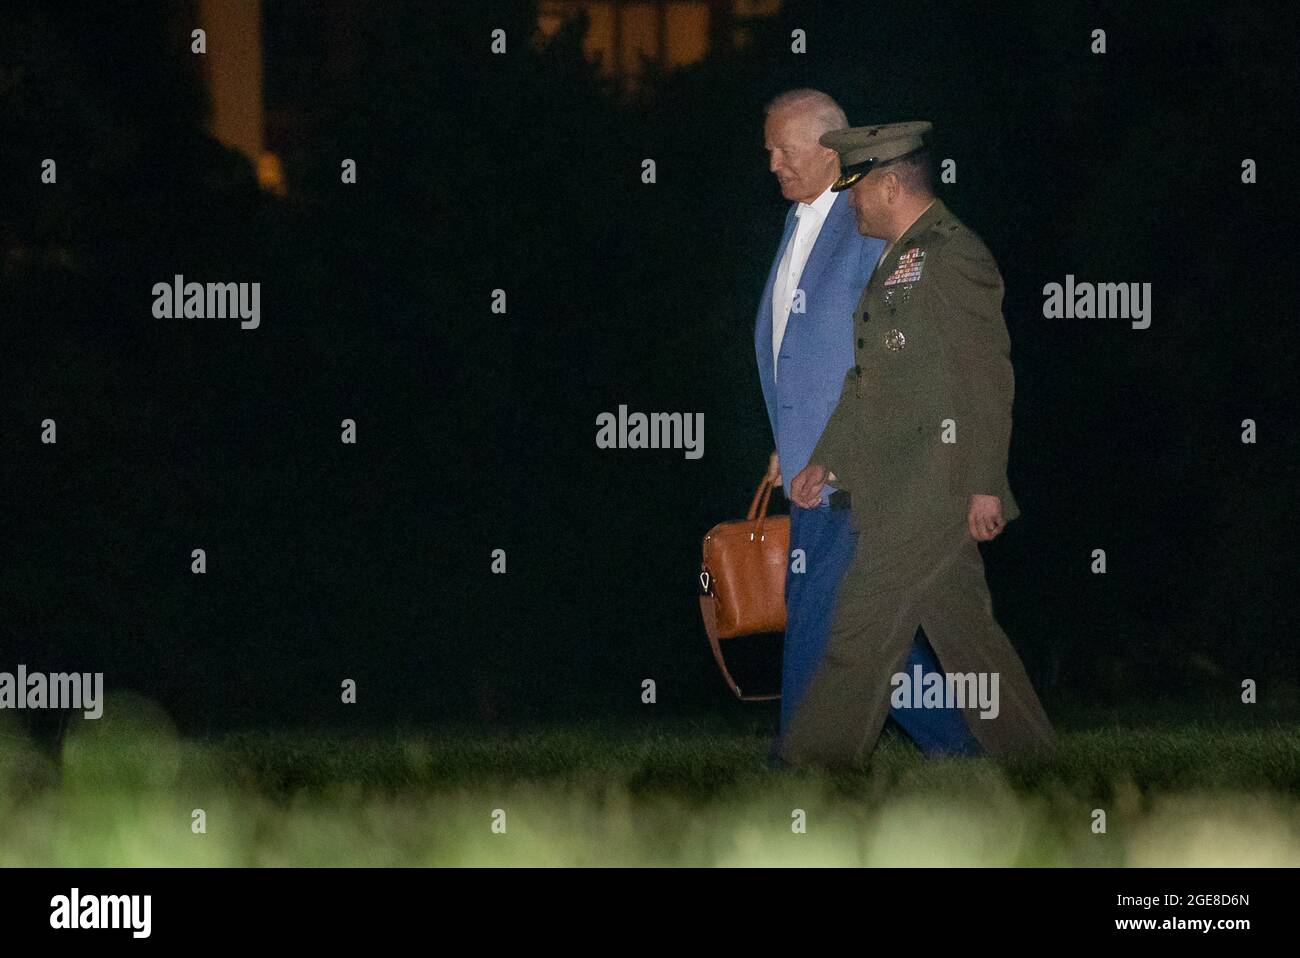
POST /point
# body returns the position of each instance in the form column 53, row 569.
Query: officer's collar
column 935, row 211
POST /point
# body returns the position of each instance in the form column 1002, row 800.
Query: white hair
column 825, row 112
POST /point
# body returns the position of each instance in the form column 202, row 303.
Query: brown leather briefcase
column 742, row 580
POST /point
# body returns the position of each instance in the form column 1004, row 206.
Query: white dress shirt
column 811, row 217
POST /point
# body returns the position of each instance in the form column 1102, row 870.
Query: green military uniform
column 932, row 364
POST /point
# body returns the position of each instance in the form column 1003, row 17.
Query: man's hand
column 984, row 520
column 774, row 469
column 806, row 488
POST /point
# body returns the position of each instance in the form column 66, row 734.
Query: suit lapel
column 763, row 332
column 837, row 222
column 786, row 236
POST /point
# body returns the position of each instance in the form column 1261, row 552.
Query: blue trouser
column 827, row 540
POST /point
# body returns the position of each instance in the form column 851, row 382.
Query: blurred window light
column 623, row 36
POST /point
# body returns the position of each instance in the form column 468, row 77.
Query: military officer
column 919, row 439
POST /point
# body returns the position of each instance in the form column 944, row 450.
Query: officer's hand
column 984, row 521
column 774, row 469
column 806, row 488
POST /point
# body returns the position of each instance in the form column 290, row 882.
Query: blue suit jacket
column 817, row 347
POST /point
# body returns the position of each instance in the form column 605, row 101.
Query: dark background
column 477, row 431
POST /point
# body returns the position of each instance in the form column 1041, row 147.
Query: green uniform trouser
column 940, row 587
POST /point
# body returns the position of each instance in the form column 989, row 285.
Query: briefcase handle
column 758, row 507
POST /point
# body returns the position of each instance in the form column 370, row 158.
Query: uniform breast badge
column 895, row 340
column 905, row 275
column 909, row 268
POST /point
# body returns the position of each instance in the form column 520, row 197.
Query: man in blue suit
column 804, row 344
